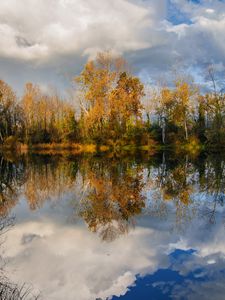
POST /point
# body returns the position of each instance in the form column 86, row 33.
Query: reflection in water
column 11, row 179
column 48, row 178
column 212, row 182
column 9, row 290
column 175, row 182
column 113, row 191
column 112, row 196
column 187, row 276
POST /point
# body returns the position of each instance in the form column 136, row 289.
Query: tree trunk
column 163, row 130
column 186, row 130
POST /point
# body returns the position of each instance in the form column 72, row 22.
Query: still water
column 91, row 228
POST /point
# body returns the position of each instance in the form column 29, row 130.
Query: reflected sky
column 172, row 247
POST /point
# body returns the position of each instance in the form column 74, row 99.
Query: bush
column 10, row 142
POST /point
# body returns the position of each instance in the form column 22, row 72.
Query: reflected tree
column 48, row 177
column 113, row 189
column 212, row 184
column 114, row 197
column 40, row 178
column 174, row 180
column 12, row 178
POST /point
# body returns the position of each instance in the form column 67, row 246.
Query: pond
column 113, row 227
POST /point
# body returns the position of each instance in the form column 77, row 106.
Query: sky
column 48, row 42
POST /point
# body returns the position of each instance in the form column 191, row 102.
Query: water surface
column 115, row 227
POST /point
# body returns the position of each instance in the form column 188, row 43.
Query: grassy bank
column 191, row 147
column 76, row 148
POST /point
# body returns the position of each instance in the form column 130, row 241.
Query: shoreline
column 77, row 149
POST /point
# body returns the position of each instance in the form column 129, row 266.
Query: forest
column 111, row 109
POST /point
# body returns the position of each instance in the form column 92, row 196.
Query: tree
column 183, row 109
column 176, row 108
column 112, row 97
column 215, row 110
column 164, row 102
column 125, row 101
column 48, row 117
column 213, row 104
column 11, row 119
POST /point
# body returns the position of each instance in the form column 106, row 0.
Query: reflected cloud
column 65, row 260
column 68, row 261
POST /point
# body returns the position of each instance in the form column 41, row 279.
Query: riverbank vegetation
column 115, row 112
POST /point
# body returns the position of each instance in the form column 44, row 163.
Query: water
column 115, row 228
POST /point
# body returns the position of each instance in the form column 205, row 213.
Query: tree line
column 114, row 110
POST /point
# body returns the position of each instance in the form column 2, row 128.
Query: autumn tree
column 110, row 96
column 184, row 106
column 95, row 83
column 125, row 103
column 11, row 118
column 215, row 111
column 164, row 104
column 212, row 109
column 176, row 108
column 48, row 117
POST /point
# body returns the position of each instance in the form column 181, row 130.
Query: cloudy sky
column 48, row 42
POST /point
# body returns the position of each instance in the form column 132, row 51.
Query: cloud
column 58, row 36
column 42, row 30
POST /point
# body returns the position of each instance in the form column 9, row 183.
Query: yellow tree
column 29, row 100
column 176, row 107
column 111, row 96
column 164, row 103
column 125, row 101
column 10, row 112
column 48, row 117
column 184, row 95
column 95, row 83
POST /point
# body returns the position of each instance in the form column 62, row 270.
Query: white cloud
column 58, row 36
column 62, row 27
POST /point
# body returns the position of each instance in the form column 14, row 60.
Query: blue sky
column 49, row 41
